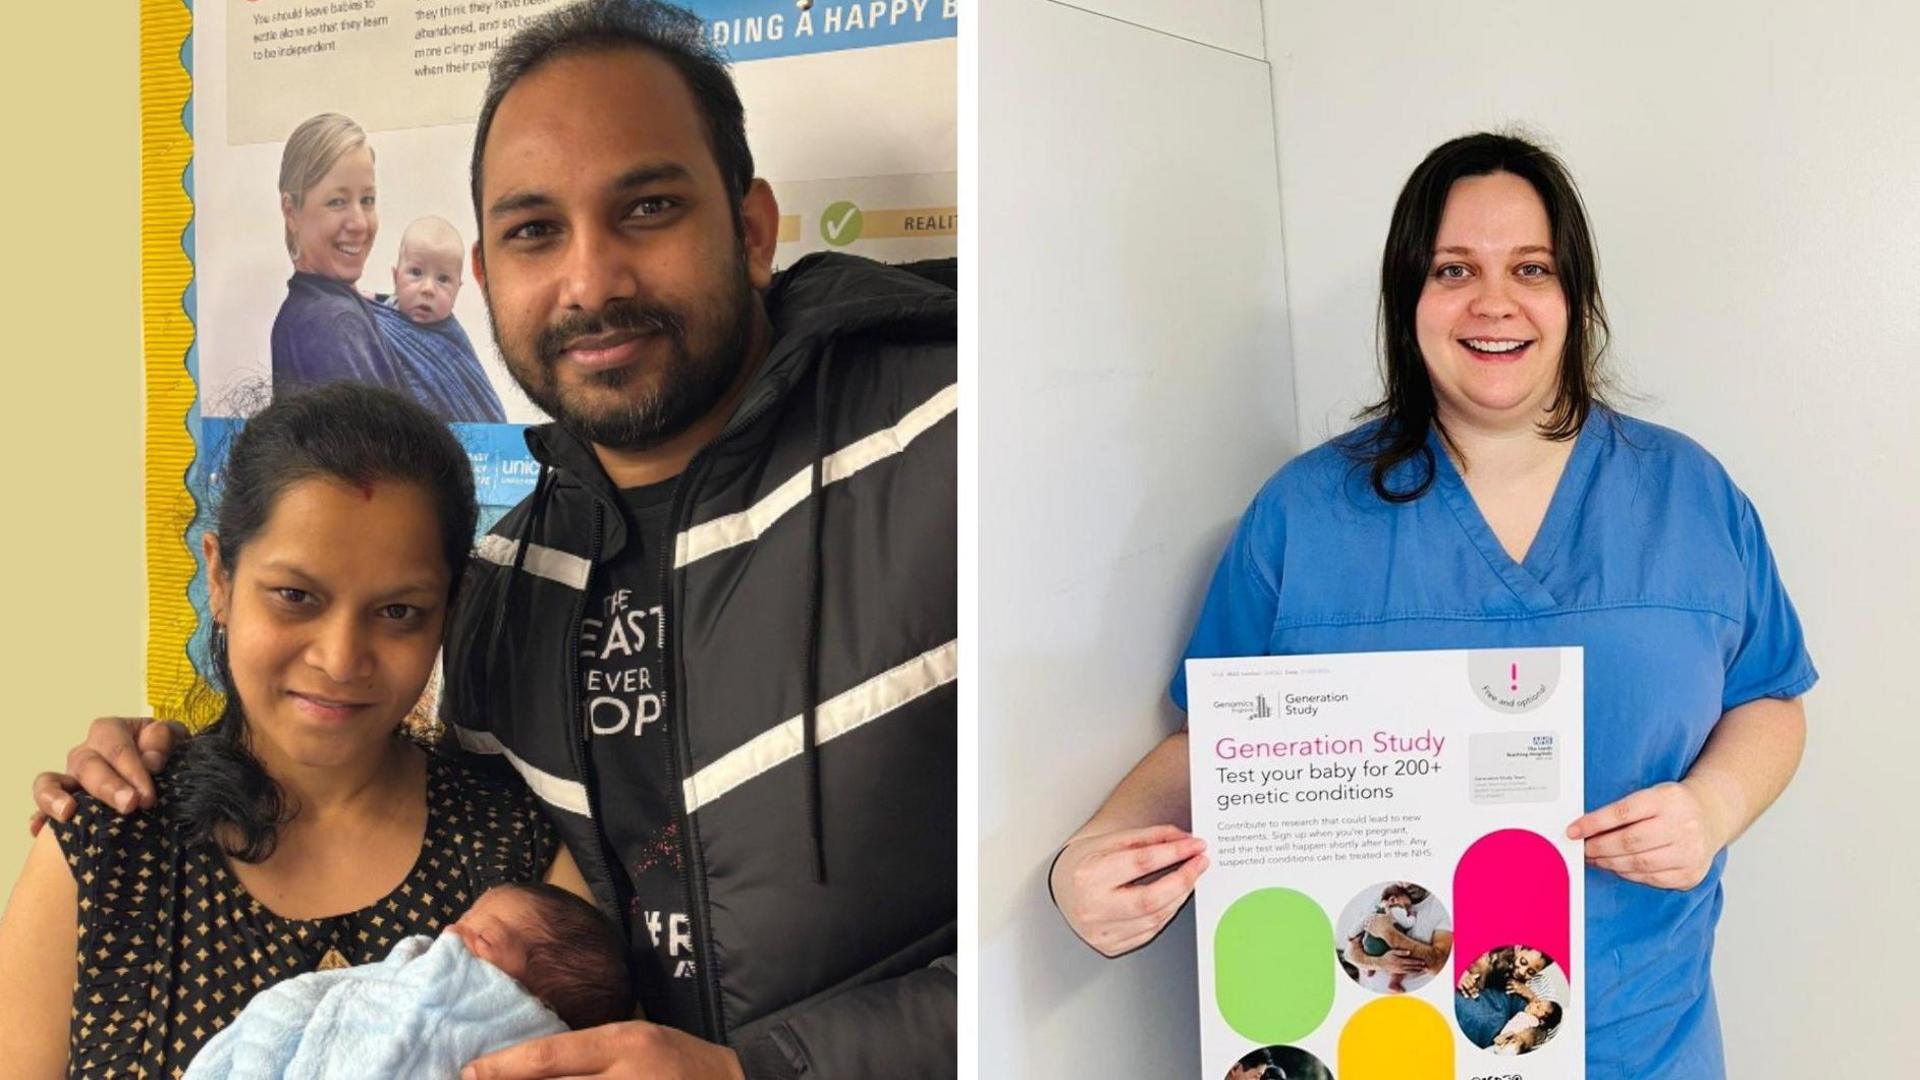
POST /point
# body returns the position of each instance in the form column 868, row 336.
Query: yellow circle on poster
column 1396, row 1038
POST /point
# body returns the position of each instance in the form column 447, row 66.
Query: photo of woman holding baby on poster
column 1511, row 1000
column 408, row 340
column 1395, row 936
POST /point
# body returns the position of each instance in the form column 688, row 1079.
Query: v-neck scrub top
column 1650, row 558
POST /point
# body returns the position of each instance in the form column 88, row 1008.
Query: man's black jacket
column 814, row 563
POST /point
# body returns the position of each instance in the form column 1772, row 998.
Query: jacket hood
column 827, row 296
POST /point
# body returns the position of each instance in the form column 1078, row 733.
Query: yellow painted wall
column 72, row 574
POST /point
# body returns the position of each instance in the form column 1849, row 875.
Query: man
column 718, row 639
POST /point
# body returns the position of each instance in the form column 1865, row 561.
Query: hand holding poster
column 1392, row 896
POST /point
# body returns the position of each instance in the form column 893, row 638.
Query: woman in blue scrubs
column 1492, row 501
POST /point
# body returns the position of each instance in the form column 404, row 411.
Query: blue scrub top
column 1650, row 558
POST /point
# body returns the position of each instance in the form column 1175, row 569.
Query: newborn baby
column 1528, row 1028
column 556, row 945
column 524, row 961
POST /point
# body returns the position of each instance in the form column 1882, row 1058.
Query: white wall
column 1134, row 389
column 1753, row 175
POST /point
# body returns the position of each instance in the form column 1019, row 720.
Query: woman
column 1411, row 952
column 299, row 831
column 1494, row 501
column 1485, row 1004
column 325, row 329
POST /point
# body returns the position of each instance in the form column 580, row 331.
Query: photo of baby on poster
column 1392, row 896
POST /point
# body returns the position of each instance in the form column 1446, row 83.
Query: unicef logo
column 1513, row 680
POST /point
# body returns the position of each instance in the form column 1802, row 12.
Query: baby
column 417, row 323
column 1396, row 904
column 426, row 278
column 1529, row 1028
column 523, row 962
column 556, row 945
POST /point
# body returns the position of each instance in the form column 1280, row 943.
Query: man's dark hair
column 672, row 33
column 1407, row 410
column 1258, row 1058
column 347, row 431
column 576, row 960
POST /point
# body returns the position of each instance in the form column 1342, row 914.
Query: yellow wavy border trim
column 165, row 272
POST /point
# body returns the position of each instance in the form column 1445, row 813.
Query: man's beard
column 687, row 384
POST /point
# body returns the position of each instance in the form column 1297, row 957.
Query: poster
column 850, row 113
column 1391, row 895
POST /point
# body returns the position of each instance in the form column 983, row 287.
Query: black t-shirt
column 627, row 715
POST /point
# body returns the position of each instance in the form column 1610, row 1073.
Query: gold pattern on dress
column 333, row 961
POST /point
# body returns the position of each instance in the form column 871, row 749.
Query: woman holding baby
column 1493, row 500
column 1399, row 943
column 408, row 341
column 302, row 831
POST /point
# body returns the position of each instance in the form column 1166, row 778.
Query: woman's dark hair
column 345, row 431
column 1407, row 410
column 673, row 33
column 576, row 959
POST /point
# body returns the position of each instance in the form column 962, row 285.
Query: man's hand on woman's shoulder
column 115, row 764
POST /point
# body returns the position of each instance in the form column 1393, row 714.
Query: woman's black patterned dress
column 172, row 947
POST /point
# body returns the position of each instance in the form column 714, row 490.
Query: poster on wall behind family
column 333, row 211
column 342, row 129
column 1392, row 895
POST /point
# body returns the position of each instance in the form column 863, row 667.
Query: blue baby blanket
column 425, row 1011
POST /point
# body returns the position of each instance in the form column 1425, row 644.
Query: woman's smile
column 1496, row 349
column 327, row 708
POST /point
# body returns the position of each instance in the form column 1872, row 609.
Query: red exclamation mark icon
column 1513, row 672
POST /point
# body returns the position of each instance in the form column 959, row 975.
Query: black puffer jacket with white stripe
column 815, row 563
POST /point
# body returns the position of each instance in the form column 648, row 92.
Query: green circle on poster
column 1273, row 966
column 841, row 223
